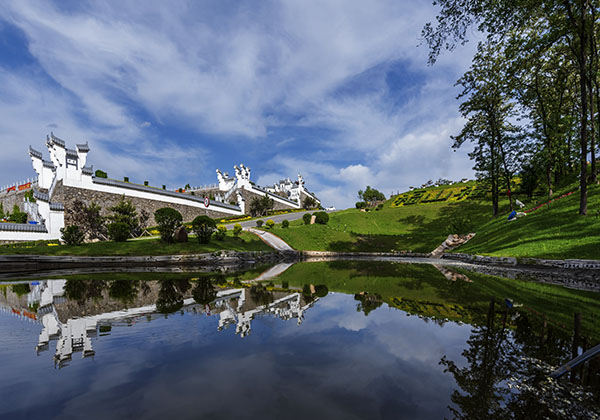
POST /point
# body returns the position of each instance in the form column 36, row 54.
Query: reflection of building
column 64, row 323
column 237, row 310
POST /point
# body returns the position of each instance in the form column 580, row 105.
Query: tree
column 261, row 206
column 72, row 235
column 237, row 230
column 309, row 203
column 168, row 219
column 17, row 216
column 204, row 292
column 125, row 212
column 204, row 227
column 88, row 218
column 370, row 195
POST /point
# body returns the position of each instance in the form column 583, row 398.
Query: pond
column 334, row 339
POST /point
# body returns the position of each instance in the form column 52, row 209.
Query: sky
column 339, row 91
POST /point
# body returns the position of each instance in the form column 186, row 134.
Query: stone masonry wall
column 67, row 195
column 249, row 196
column 12, row 198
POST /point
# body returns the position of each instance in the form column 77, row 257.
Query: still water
column 320, row 340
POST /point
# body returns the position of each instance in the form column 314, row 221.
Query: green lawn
column 247, row 242
column 554, row 231
column 418, row 228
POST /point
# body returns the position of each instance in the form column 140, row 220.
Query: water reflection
column 72, row 311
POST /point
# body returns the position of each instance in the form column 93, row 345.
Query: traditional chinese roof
column 87, row 170
column 56, row 140
column 38, row 195
column 34, row 153
column 72, row 153
column 83, row 147
column 48, row 164
column 57, row 207
column 22, row 227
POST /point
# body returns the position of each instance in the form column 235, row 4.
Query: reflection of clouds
column 181, row 366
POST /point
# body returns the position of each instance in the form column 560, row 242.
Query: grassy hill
column 420, row 220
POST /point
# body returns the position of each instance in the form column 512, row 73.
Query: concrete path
column 277, row 219
column 271, row 240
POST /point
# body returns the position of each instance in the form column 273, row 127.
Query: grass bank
column 246, row 242
column 554, row 231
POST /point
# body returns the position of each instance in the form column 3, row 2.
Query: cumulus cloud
column 190, row 80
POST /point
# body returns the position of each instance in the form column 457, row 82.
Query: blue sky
column 339, row 91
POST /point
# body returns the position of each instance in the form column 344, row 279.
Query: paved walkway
column 277, row 219
column 271, row 240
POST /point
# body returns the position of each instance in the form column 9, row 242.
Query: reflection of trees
column 82, row 290
column 367, row 302
column 505, row 378
column 123, row 290
column 261, row 295
column 170, row 294
column 204, row 292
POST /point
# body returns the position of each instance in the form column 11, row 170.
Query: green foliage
column 309, row 203
column 321, row 217
column 118, row 231
column 88, row 218
column 370, row 195
column 29, row 196
column 72, row 235
column 360, row 205
column 270, row 223
column 529, row 179
column 379, row 206
column 17, row 216
column 125, row 212
column 1, row 211
column 285, row 223
column 168, row 219
column 21, row 289
column 100, row 174
column 306, row 218
column 259, row 223
column 203, row 227
column 220, row 233
column 261, row 206
column 237, row 229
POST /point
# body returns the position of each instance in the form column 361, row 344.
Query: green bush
column 309, row 203
column 204, row 227
column 270, row 223
column 168, row 220
column 220, row 233
column 100, row 174
column 321, row 217
column 17, row 215
column 460, row 225
column 118, row 231
column 379, row 206
column 1, row 211
column 237, row 230
column 125, row 212
column 259, row 223
column 72, row 235
column 285, row 224
column 360, row 204
column 306, row 218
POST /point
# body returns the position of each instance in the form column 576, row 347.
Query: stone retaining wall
column 67, row 196
column 512, row 261
column 9, row 200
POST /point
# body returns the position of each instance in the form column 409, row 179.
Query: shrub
column 125, row 179
column 379, row 206
column 285, row 285
column 204, row 227
column 237, row 230
column 220, row 233
column 306, row 218
column 17, row 215
column 270, row 223
column 125, row 212
column 1, row 211
column 100, row 174
column 259, row 223
column 261, row 206
column 321, row 217
column 168, row 220
column 72, row 235
column 118, row 231
column 88, row 218
column 360, row 204
column 285, row 224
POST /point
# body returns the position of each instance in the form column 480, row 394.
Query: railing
column 32, row 210
column 19, row 186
